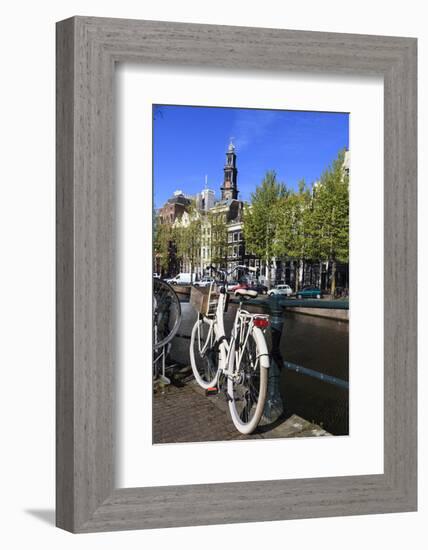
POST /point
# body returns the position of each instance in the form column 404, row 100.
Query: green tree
column 330, row 217
column 163, row 244
column 260, row 225
column 187, row 236
column 218, row 227
column 293, row 237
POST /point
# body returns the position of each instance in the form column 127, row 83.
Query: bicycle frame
column 242, row 325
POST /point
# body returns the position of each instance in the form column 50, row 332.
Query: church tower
column 229, row 189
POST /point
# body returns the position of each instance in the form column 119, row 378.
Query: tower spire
column 229, row 189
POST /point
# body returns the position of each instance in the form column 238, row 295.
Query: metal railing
column 316, row 374
column 279, row 301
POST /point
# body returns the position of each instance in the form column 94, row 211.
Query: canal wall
column 335, row 314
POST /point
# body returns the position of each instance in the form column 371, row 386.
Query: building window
column 235, row 251
column 230, row 237
column 235, row 237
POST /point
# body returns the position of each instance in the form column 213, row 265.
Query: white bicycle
column 238, row 366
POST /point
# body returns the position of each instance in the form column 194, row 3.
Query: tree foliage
column 218, row 228
column 330, row 216
column 307, row 225
column 187, row 237
column 163, row 242
column 260, row 223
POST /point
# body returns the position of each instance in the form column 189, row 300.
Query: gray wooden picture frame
column 87, row 50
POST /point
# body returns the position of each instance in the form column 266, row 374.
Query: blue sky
column 191, row 142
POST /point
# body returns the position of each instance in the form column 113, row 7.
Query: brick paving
column 182, row 413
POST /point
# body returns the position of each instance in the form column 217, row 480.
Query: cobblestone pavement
column 182, row 413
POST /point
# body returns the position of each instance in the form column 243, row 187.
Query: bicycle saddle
column 246, row 293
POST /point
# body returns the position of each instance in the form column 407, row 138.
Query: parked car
column 309, row 292
column 181, row 279
column 205, row 281
column 258, row 287
column 235, row 285
column 282, row 290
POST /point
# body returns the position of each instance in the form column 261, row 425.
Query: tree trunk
column 268, row 274
column 333, row 278
column 299, row 274
column 296, row 275
column 275, row 270
column 327, row 277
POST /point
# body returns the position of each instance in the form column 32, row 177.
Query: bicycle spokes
column 251, row 398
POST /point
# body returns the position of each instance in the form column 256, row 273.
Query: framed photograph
column 236, row 274
column 228, row 255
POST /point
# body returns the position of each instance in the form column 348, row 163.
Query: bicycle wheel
column 247, row 391
column 166, row 313
column 205, row 353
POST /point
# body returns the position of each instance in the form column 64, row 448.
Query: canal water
column 321, row 345
column 316, row 343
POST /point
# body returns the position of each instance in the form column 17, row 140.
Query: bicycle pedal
column 211, row 391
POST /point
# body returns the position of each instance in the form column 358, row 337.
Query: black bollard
column 274, row 406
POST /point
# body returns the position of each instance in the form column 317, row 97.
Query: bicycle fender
column 262, row 346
